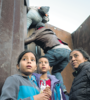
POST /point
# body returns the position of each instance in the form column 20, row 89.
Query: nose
column 43, row 63
column 29, row 61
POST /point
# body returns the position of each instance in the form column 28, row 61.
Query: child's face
column 27, row 64
column 43, row 65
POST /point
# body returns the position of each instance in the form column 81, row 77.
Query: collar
column 40, row 27
column 77, row 70
column 27, row 77
column 45, row 79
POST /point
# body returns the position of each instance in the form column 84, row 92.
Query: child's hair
column 43, row 57
column 21, row 55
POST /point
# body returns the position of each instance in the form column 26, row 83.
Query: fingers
column 47, row 88
column 48, row 92
column 45, row 96
column 41, row 96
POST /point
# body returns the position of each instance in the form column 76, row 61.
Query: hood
column 43, row 10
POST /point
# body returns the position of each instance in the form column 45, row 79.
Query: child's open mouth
column 29, row 67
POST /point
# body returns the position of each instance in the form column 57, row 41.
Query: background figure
column 80, row 62
column 37, row 14
column 55, row 50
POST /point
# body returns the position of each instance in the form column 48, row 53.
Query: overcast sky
column 67, row 15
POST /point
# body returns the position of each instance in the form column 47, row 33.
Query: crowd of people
column 43, row 86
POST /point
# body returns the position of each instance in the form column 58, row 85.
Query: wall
column 81, row 37
column 12, row 34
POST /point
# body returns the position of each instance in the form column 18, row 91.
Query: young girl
column 22, row 87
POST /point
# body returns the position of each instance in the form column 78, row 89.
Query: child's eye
column 39, row 62
column 32, row 60
column 46, row 62
column 24, row 59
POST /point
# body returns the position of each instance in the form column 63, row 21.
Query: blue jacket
column 55, row 87
column 17, row 87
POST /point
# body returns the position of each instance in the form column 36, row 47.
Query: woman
column 80, row 62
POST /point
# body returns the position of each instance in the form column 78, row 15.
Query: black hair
column 21, row 55
column 83, row 52
column 43, row 57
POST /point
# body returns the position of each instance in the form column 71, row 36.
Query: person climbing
column 55, row 50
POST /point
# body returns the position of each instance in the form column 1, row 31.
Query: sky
column 67, row 15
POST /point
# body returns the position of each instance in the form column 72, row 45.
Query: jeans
column 33, row 17
column 58, row 58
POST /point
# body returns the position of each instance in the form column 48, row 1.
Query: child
column 23, row 87
column 43, row 80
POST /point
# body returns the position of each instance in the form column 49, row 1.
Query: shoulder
column 86, row 66
column 86, row 69
column 53, row 79
column 37, row 76
column 12, row 79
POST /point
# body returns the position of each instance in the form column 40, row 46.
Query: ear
column 18, row 67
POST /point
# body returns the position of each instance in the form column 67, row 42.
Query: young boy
column 44, row 80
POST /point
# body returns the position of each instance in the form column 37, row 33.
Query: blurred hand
column 48, row 91
column 42, row 96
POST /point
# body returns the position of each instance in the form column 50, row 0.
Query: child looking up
column 45, row 80
column 23, row 87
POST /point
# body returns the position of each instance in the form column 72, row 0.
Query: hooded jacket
column 57, row 92
column 80, row 89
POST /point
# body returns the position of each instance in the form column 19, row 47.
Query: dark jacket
column 45, row 38
column 55, row 87
column 80, row 89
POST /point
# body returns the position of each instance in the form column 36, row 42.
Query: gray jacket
column 17, row 87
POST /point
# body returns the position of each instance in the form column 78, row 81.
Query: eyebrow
column 24, row 56
column 74, row 54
